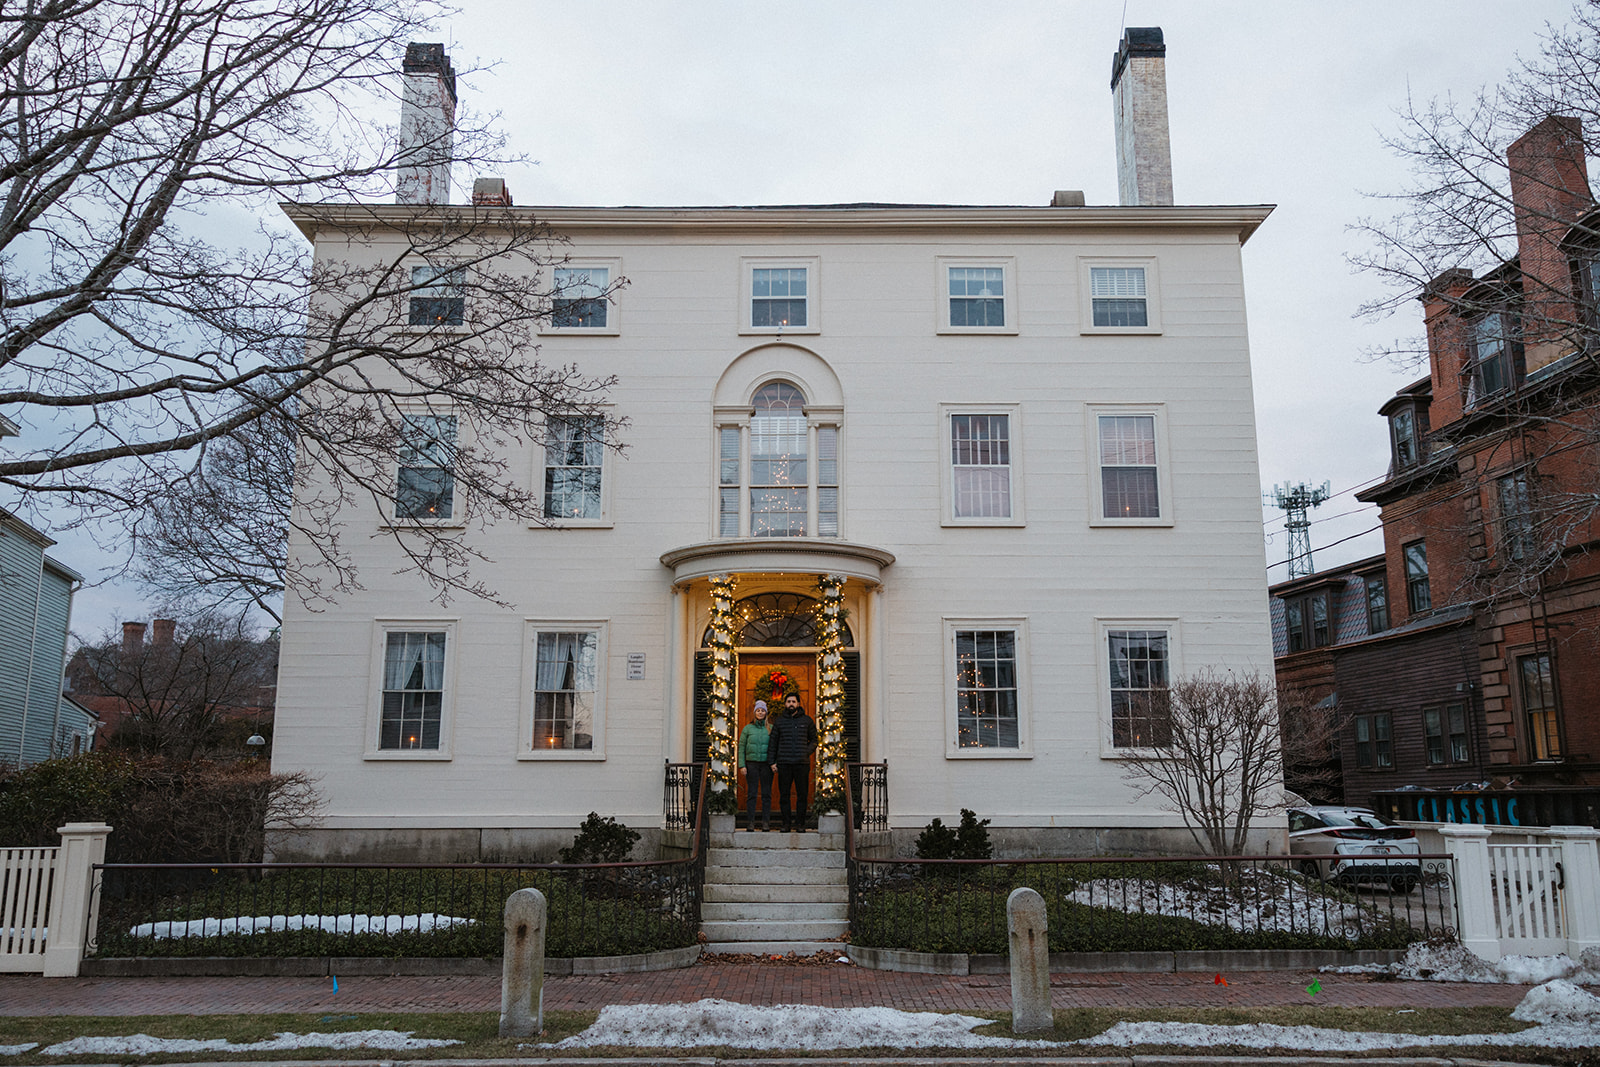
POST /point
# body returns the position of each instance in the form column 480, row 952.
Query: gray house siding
column 35, row 614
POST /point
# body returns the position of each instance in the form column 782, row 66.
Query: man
column 794, row 738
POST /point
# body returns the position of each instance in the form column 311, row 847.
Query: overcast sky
column 928, row 101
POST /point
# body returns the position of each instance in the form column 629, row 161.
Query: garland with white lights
column 720, row 722
column 831, row 753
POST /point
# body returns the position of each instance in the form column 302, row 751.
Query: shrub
column 937, row 842
column 600, row 841
column 969, row 841
column 159, row 810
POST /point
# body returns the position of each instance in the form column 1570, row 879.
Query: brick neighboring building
column 1481, row 658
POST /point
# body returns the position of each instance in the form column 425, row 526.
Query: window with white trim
column 564, row 683
column 564, row 689
column 980, row 468
column 778, row 470
column 986, row 686
column 574, row 468
column 438, row 296
column 977, row 295
column 578, row 300
column 412, row 710
column 1139, row 663
column 780, row 296
column 1119, row 295
column 425, row 477
column 1129, row 475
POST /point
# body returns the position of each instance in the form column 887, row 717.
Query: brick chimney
column 1550, row 192
column 1139, row 100
column 161, row 632
column 427, row 125
column 1449, row 347
column 132, row 638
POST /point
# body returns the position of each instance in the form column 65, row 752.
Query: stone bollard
column 522, row 976
column 1030, row 962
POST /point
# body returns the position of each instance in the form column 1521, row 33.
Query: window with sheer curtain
column 980, row 466
column 413, row 690
column 1129, row 482
column 565, row 686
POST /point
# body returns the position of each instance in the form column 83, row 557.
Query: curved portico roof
column 774, row 555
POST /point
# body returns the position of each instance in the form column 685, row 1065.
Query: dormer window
column 1496, row 356
column 1403, row 434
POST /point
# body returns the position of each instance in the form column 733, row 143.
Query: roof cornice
column 1242, row 220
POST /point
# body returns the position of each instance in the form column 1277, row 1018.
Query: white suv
column 1361, row 847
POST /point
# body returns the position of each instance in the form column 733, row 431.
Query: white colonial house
column 1020, row 439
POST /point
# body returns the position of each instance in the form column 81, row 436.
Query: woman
column 753, row 756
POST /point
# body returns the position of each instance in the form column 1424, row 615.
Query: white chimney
column 1139, row 97
column 427, row 122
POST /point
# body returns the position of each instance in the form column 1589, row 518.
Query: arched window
column 778, row 474
column 778, row 620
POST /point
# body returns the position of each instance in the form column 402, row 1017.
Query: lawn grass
column 478, row 1032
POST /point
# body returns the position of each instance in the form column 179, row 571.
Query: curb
column 959, row 963
column 897, row 1061
column 371, row 966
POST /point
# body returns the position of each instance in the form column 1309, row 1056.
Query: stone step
column 774, row 839
column 754, row 930
column 752, row 875
column 776, row 948
column 770, row 912
column 775, row 893
column 774, row 857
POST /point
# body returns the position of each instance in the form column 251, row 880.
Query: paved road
column 842, row 985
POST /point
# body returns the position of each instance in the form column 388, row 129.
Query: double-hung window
column 987, row 665
column 425, row 478
column 1403, row 429
column 778, row 471
column 1119, row 295
column 1126, row 453
column 412, row 682
column 1539, row 712
column 977, row 295
column 979, row 473
column 1374, row 742
column 1516, row 517
column 1139, row 663
column 1418, row 597
column 564, row 675
column 579, row 299
column 780, row 296
column 438, row 296
column 574, row 466
column 1496, row 356
column 1444, row 731
column 1377, row 603
column 1306, row 620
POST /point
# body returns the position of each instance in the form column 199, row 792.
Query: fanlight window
column 790, row 485
column 778, row 620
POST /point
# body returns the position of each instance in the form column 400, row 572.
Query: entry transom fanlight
column 777, row 620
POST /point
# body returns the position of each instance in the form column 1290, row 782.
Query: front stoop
column 775, row 893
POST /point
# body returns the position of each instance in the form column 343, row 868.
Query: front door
column 802, row 670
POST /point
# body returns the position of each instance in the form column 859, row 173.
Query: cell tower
column 1297, row 500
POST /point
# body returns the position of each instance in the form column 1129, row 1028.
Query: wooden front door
column 803, row 670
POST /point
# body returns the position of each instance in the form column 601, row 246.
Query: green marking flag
column 1314, row 988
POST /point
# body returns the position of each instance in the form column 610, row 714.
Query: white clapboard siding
column 26, row 875
column 1528, row 906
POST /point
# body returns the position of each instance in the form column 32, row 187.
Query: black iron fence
column 679, row 801
column 1109, row 904
column 869, row 790
column 393, row 909
column 1498, row 807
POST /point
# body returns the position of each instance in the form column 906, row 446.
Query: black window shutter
column 700, row 746
column 852, row 706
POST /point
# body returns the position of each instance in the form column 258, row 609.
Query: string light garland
column 720, row 723
column 831, row 753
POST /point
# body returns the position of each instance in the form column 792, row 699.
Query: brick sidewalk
column 841, row 986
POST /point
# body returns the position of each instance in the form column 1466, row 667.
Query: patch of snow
column 786, row 1026
column 719, row 1022
column 145, row 1045
column 1427, row 962
column 333, row 924
column 1260, row 900
column 17, row 1050
column 1558, row 1002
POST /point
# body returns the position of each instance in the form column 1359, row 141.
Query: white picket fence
column 26, row 875
column 46, row 901
column 1536, row 898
